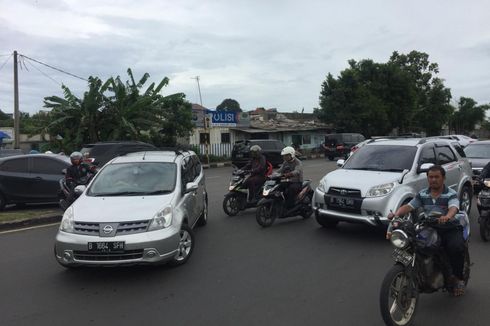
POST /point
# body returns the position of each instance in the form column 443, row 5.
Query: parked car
column 478, row 153
column 339, row 145
column 140, row 208
column 31, row 178
column 461, row 139
column 271, row 148
column 384, row 175
column 103, row 152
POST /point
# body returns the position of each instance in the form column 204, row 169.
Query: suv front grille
column 90, row 228
column 102, row 256
column 344, row 192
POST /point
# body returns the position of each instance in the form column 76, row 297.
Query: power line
column 10, row 55
column 5, row 55
column 42, row 72
column 57, row 69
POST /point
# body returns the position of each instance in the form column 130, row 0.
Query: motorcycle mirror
column 63, row 171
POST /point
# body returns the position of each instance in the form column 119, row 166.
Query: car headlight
column 321, row 186
column 399, row 239
column 381, row 190
column 161, row 220
column 68, row 221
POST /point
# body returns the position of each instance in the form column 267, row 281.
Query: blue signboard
column 221, row 117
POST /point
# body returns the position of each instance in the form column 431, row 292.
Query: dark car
column 271, row 148
column 32, row 178
column 339, row 145
column 103, row 152
column 478, row 153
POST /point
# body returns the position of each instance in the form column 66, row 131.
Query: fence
column 222, row 150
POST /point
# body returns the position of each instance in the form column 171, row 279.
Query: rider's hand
column 443, row 219
column 390, row 215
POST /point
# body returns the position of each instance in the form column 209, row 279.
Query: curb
column 29, row 222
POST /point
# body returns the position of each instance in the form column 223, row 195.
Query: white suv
column 139, row 209
column 383, row 175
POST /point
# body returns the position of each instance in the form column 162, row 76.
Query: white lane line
column 29, row 228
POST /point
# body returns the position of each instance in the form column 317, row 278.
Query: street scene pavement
column 293, row 273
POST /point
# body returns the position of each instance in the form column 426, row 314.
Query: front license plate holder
column 109, row 246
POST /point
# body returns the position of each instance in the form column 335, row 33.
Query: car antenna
column 144, row 156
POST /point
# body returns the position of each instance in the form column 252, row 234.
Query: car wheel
column 186, row 246
column 2, row 202
column 465, row 199
column 326, row 222
column 203, row 219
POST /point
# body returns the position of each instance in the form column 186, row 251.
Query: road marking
column 29, row 228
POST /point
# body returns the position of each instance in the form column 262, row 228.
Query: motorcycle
column 421, row 266
column 236, row 199
column 273, row 203
column 67, row 194
column 483, row 204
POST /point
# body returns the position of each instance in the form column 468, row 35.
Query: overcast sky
column 272, row 54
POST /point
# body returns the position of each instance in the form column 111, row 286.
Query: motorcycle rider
column 291, row 168
column 257, row 166
column 438, row 197
column 78, row 173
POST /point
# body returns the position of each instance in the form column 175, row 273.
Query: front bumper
column 372, row 210
column 142, row 248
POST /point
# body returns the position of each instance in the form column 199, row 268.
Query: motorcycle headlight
column 266, row 192
column 399, row 239
column 381, row 190
column 161, row 220
column 68, row 221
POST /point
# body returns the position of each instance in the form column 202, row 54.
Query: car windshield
column 477, row 151
column 133, row 179
column 390, row 158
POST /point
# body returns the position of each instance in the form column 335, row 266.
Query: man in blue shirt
column 437, row 197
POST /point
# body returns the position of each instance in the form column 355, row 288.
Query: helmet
column 255, row 148
column 48, row 152
column 76, row 156
column 288, row 150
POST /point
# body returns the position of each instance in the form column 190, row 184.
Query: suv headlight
column 381, row 190
column 161, row 220
column 399, row 239
column 68, row 221
column 321, row 186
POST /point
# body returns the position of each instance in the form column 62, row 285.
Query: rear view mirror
column 340, row 163
column 191, row 186
column 425, row 167
column 79, row 190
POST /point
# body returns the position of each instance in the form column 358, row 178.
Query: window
column 306, row 139
column 297, row 139
column 444, row 155
column 203, row 138
column 44, row 165
column 197, row 166
column 15, row 165
column 427, row 155
column 225, row 137
column 459, row 149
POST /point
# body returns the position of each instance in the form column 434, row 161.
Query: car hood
column 120, row 208
column 359, row 179
column 478, row 163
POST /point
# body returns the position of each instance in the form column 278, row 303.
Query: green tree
column 229, row 105
column 467, row 115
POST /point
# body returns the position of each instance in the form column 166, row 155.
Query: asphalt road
column 293, row 273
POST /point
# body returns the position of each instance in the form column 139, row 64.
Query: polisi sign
column 223, row 119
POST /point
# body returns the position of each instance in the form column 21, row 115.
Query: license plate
column 402, row 256
column 106, row 246
column 342, row 202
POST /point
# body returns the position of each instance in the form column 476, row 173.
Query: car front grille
column 345, row 192
column 123, row 228
column 112, row 256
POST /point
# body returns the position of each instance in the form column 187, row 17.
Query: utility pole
column 16, row 105
column 205, row 124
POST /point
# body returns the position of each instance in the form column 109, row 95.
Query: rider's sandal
column 459, row 289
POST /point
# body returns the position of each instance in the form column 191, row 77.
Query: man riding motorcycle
column 257, row 166
column 79, row 173
column 291, row 168
column 438, row 197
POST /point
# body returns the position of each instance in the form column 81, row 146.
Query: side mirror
column 425, row 167
column 63, row 171
column 79, row 190
column 340, row 163
column 191, row 186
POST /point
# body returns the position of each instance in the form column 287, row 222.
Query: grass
column 16, row 214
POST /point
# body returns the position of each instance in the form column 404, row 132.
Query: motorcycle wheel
column 231, row 204
column 485, row 228
column 466, row 266
column 265, row 215
column 307, row 209
column 397, row 304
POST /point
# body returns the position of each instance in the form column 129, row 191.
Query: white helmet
column 288, row 150
column 255, row 148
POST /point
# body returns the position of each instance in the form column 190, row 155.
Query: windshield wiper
column 156, row 192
